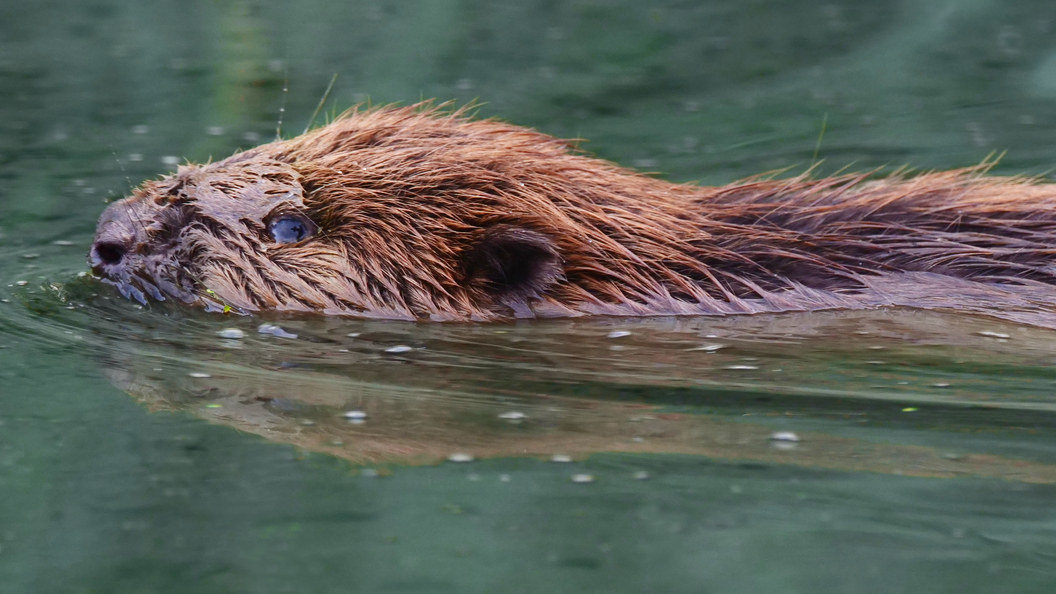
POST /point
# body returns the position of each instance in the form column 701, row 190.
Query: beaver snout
column 115, row 238
column 105, row 254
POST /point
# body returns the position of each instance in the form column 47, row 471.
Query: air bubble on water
column 504, row 478
column 582, row 478
column 62, row 243
column 170, row 160
column 618, row 334
column 199, row 375
column 641, row 475
column 232, row 333
column 991, row 334
column 784, row 436
column 214, row 130
column 708, row 348
column 513, row 416
column 399, row 349
column 140, row 129
column 354, row 415
column 460, row 457
column 561, row 458
column 135, row 157
column 274, row 331
column 741, row 367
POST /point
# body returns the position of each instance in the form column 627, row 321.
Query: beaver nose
column 105, row 254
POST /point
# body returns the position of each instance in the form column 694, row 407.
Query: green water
column 142, row 452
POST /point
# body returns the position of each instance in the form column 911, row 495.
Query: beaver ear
column 513, row 263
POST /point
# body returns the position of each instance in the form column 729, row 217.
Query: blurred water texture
column 140, row 451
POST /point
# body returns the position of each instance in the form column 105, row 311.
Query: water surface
column 143, row 451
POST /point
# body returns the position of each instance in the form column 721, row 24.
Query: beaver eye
column 289, row 229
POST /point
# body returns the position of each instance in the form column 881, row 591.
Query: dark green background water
column 103, row 491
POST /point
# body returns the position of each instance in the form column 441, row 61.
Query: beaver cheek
column 513, row 265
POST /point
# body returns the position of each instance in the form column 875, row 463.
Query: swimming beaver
column 417, row 212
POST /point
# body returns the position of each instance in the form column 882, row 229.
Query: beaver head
column 417, row 213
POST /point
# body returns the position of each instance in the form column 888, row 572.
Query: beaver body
column 418, row 213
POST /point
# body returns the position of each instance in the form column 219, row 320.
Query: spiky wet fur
column 422, row 213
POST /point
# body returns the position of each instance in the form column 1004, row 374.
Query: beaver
column 424, row 212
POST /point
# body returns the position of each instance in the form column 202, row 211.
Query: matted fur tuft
column 426, row 213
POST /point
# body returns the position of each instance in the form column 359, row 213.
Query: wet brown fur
column 424, row 213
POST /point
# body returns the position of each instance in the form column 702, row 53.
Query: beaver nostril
column 110, row 253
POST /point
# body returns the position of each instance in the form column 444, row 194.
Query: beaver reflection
column 414, row 421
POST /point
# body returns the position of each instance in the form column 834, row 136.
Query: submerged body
column 414, row 213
